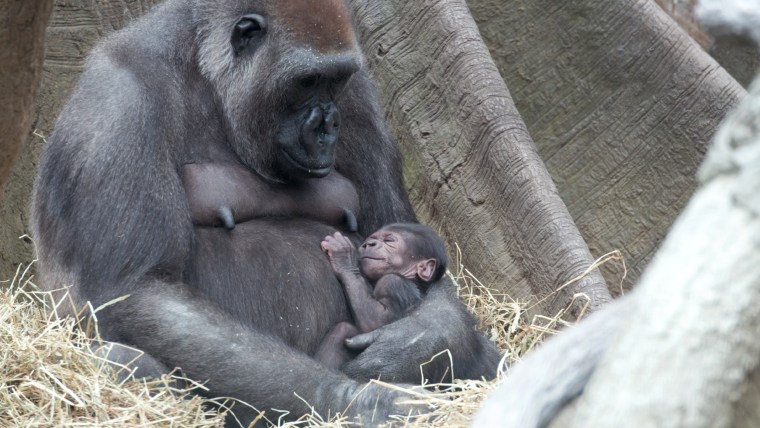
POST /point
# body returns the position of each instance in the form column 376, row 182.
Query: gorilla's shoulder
column 154, row 43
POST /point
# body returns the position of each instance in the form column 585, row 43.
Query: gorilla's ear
column 425, row 269
column 246, row 29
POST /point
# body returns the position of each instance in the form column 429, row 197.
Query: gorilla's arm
column 191, row 333
column 441, row 327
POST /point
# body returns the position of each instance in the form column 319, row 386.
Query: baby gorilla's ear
column 425, row 269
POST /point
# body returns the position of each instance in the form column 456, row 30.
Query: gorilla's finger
column 361, row 342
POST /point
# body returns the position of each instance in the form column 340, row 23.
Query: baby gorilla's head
column 411, row 250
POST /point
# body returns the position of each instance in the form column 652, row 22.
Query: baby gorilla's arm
column 369, row 313
column 397, row 295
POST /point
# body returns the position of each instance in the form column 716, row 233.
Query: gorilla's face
column 277, row 72
column 306, row 134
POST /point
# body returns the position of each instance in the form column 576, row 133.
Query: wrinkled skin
column 385, row 252
column 276, row 87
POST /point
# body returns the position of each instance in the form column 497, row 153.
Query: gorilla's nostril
column 331, row 118
column 315, row 118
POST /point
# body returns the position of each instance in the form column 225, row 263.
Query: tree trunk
column 22, row 37
column 472, row 169
column 621, row 103
column 682, row 11
column 682, row 349
column 75, row 26
column 693, row 344
column 689, row 354
column 737, row 54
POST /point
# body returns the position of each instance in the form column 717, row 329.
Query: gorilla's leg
column 232, row 360
column 126, row 361
column 332, row 352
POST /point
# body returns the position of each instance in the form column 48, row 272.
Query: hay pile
column 49, row 377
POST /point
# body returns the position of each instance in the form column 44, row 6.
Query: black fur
column 241, row 309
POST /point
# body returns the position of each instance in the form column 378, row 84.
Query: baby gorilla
column 384, row 280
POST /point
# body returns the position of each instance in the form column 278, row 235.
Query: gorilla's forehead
column 323, row 24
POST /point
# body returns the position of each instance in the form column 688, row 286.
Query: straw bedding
column 49, row 376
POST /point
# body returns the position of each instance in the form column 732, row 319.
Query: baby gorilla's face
column 386, row 252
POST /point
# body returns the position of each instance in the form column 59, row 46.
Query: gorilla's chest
column 272, row 275
column 228, row 193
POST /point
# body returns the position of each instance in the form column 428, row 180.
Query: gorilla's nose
column 331, row 118
column 339, row 68
column 321, row 128
column 327, row 78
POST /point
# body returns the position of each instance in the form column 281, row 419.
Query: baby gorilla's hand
column 341, row 253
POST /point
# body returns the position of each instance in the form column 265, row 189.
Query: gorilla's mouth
column 306, row 141
column 315, row 169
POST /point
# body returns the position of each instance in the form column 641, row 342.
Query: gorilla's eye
column 246, row 29
column 309, row 82
column 340, row 80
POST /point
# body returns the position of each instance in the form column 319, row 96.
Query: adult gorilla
column 264, row 85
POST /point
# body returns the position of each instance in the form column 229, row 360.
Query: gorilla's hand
column 374, row 404
column 394, row 353
column 360, row 342
column 424, row 344
column 342, row 254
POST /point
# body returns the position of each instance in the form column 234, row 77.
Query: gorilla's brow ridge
column 324, row 25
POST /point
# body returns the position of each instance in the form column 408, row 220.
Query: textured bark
column 472, row 169
column 682, row 11
column 681, row 350
column 621, row 104
column 737, row 54
column 22, row 36
column 74, row 27
column 689, row 354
